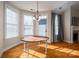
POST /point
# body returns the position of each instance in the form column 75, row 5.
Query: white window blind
column 11, row 26
column 28, row 25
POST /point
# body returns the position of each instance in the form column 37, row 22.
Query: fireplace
column 75, row 36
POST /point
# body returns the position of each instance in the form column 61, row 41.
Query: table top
column 34, row 38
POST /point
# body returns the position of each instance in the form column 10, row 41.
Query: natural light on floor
column 57, row 50
column 62, row 49
column 33, row 53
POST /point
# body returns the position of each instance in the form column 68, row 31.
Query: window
column 11, row 23
column 56, row 24
column 28, row 25
column 42, row 26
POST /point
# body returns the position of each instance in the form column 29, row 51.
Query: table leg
column 39, row 42
column 46, row 47
column 24, row 46
column 28, row 49
column 25, row 43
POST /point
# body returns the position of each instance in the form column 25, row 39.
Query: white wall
column 68, row 29
column 10, row 42
column 48, row 33
column 23, row 12
column 67, row 24
column 45, row 13
column 74, row 12
column 1, row 27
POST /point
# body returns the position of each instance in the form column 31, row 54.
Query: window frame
column 43, row 17
column 5, row 26
column 27, row 25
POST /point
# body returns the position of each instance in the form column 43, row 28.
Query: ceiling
column 43, row 5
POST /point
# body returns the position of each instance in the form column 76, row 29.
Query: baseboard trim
column 9, row 48
column 67, row 41
column 13, row 46
column 1, row 53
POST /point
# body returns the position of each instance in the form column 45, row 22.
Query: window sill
column 12, row 37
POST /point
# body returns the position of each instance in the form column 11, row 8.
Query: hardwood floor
column 55, row 50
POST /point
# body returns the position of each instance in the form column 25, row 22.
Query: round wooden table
column 28, row 39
